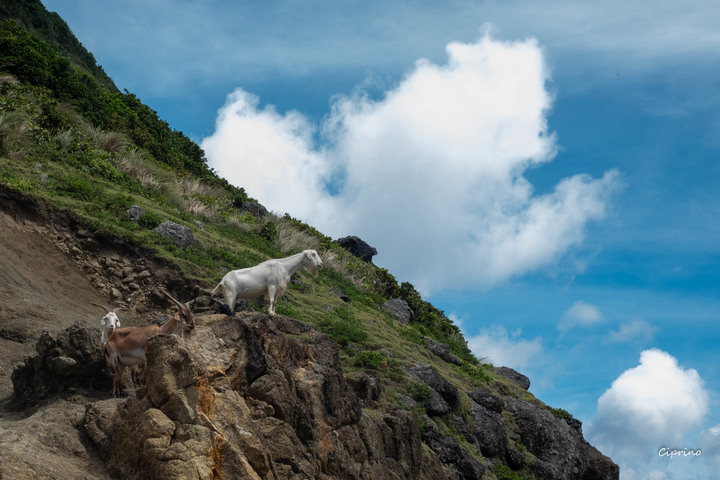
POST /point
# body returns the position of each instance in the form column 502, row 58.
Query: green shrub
column 150, row 220
column 284, row 308
column 419, row 391
column 370, row 359
column 561, row 414
column 269, row 232
column 78, row 187
column 478, row 373
column 342, row 327
column 118, row 203
column 503, row 472
column 412, row 334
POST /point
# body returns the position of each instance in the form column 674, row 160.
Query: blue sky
column 546, row 172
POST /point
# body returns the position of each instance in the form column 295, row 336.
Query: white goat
column 127, row 346
column 109, row 322
column 271, row 277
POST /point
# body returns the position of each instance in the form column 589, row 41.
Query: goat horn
column 107, row 310
column 177, row 302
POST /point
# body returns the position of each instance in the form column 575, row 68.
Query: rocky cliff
column 254, row 396
column 394, row 392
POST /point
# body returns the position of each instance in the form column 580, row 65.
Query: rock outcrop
column 180, row 235
column 254, row 397
column 398, row 308
column 73, row 358
column 255, row 208
column 358, row 247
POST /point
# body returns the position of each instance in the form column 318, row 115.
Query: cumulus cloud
column 269, row 154
column 710, row 445
column 647, row 407
column 505, row 349
column 636, row 330
column 581, row 314
column 437, row 163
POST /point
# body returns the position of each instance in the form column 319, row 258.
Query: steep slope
column 245, row 397
column 338, row 386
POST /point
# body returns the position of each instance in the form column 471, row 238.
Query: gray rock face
column 516, row 377
column 253, row 396
column 489, row 431
column 445, row 392
column 68, row 359
column 441, row 350
column 399, row 309
column 247, row 397
column 135, row 213
column 358, row 247
column 451, row 454
column 486, row 399
column 181, row 235
column 561, row 452
column 254, row 208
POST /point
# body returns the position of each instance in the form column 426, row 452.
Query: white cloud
column 647, row 407
column 269, row 154
column 710, row 445
column 636, row 330
column 503, row 349
column 581, row 314
column 435, row 168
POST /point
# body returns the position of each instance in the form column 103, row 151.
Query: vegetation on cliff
column 70, row 140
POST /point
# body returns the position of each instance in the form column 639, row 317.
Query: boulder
column 561, row 452
column 181, row 235
column 453, row 455
column 442, row 350
column 255, row 208
column 516, row 377
column 489, row 431
column 399, row 308
column 135, row 213
column 445, row 390
column 358, row 247
column 69, row 359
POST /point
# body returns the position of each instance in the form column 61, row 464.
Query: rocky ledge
column 254, row 396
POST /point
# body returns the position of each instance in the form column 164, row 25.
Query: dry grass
column 111, row 142
column 14, row 131
column 198, row 198
column 7, row 79
column 138, row 164
column 65, row 139
column 237, row 221
column 196, row 187
column 291, row 239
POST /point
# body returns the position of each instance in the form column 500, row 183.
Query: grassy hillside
column 70, row 139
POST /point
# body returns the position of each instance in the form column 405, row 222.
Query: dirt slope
column 41, row 288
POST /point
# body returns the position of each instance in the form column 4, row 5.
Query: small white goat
column 110, row 322
column 271, row 277
column 127, row 346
